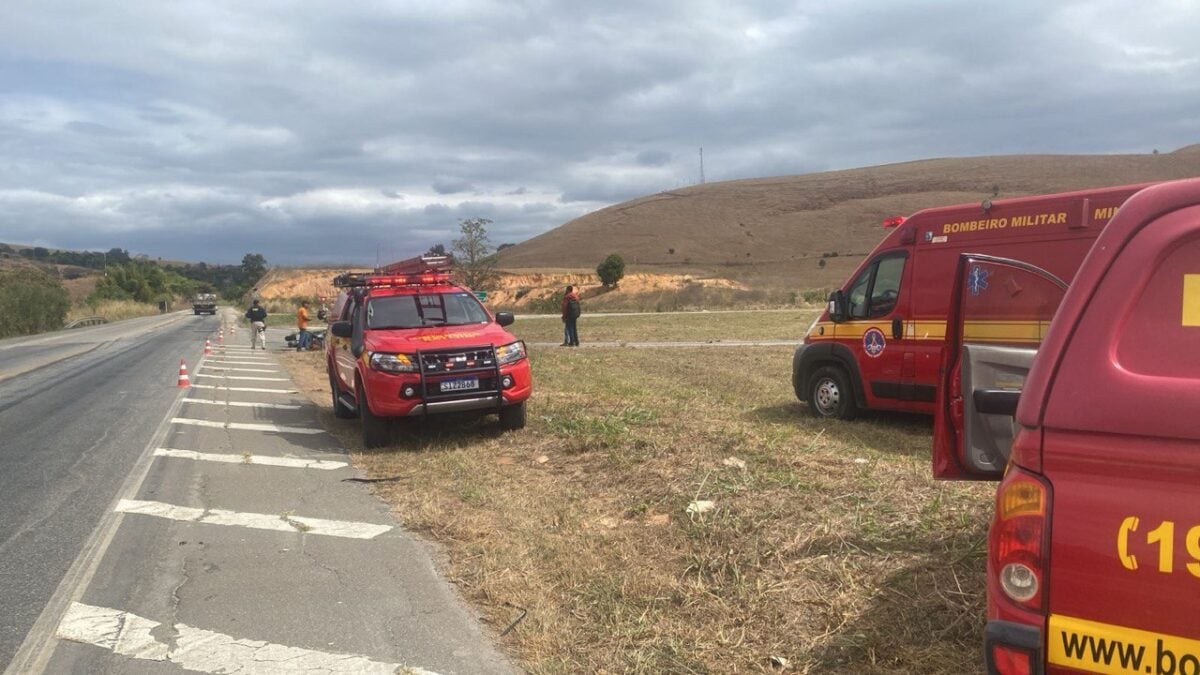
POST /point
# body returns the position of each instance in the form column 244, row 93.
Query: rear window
column 426, row 309
column 1162, row 333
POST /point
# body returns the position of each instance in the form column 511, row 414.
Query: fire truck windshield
column 426, row 309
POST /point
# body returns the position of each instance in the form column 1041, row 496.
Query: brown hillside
column 772, row 232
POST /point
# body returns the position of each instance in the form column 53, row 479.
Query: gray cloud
column 205, row 130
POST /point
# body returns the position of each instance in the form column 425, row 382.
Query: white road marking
column 243, row 404
column 256, row 362
column 246, row 377
column 291, row 462
column 206, row 651
column 246, row 426
column 255, row 389
column 256, row 521
column 221, row 368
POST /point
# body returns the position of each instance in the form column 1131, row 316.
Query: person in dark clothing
column 257, row 315
column 570, row 316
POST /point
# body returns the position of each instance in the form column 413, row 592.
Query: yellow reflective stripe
column 1005, row 331
column 1191, row 299
column 1104, row 648
column 976, row 331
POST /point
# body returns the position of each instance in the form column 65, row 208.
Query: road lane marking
column 263, row 362
column 246, row 377
column 256, row 521
column 243, row 404
column 246, row 426
column 206, row 651
column 221, row 368
column 267, row 460
column 255, row 389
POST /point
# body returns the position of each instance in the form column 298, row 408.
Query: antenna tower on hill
column 702, row 165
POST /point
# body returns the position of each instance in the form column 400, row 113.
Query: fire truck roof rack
column 419, row 271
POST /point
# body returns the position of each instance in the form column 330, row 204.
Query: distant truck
column 406, row 342
column 879, row 343
column 204, row 303
column 1091, row 426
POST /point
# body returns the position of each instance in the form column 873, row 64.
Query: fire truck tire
column 830, row 394
column 376, row 431
column 340, row 411
column 512, row 417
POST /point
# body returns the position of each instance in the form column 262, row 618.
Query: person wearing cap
column 258, row 324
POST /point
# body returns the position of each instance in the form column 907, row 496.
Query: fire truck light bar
column 894, row 221
column 350, row 280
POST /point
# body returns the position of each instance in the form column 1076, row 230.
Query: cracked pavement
column 254, row 567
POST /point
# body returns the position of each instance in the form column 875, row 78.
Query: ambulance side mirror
column 837, row 306
column 341, row 329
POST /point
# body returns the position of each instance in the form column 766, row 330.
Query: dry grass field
column 773, row 232
column 828, row 547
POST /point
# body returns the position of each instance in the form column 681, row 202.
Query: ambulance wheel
column 340, row 410
column 512, row 417
column 830, row 395
column 376, row 431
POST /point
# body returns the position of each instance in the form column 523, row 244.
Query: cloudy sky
column 340, row 131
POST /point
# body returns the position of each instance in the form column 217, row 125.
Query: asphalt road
column 72, row 426
column 147, row 528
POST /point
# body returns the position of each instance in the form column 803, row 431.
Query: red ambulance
column 407, row 342
column 879, row 343
column 1094, row 550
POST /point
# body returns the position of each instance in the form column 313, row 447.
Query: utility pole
column 702, row 165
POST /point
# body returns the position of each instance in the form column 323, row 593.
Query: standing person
column 258, row 324
column 303, row 337
column 570, row 316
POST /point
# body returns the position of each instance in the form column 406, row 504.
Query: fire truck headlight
column 393, row 363
column 510, row 353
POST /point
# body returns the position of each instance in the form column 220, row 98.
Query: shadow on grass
column 927, row 616
column 795, row 412
column 437, row 433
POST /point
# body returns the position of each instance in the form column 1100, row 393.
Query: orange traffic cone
column 221, row 336
column 207, row 347
column 183, row 376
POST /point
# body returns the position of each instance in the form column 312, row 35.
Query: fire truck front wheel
column 512, row 417
column 376, row 431
column 830, row 394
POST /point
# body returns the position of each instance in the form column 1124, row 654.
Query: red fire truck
column 1094, row 552
column 407, row 342
column 879, row 343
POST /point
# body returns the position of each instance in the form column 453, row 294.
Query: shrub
column 612, row 270
column 31, row 302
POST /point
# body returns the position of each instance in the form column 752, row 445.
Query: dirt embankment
column 528, row 290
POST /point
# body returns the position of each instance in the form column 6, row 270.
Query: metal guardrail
column 86, row 321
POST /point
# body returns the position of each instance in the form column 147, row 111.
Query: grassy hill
column 772, row 232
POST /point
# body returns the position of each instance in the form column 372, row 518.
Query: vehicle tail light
column 1010, row 660
column 1018, row 539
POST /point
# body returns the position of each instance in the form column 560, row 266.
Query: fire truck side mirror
column 837, row 306
column 341, row 329
column 357, row 328
column 505, row 318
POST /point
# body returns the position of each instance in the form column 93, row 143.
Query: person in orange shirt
column 303, row 338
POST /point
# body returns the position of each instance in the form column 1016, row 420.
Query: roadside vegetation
column 31, row 301
column 677, row 510
column 720, row 326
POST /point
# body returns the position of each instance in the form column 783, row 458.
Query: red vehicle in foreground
column 406, row 342
column 1094, row 550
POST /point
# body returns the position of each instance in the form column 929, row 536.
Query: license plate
column 459, row 384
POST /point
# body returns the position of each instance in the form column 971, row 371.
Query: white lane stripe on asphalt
column 243, row 404
column 206, row 651
column 255, row 389
column 262, row 362
column 246, row 377
column 222, row 369
column 246, row 426
column 266, row 460
column 284, row 522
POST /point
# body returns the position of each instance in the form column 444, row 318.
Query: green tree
column 611, row 271
column 474, row 257
column 436, row 249
column 254, row 265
